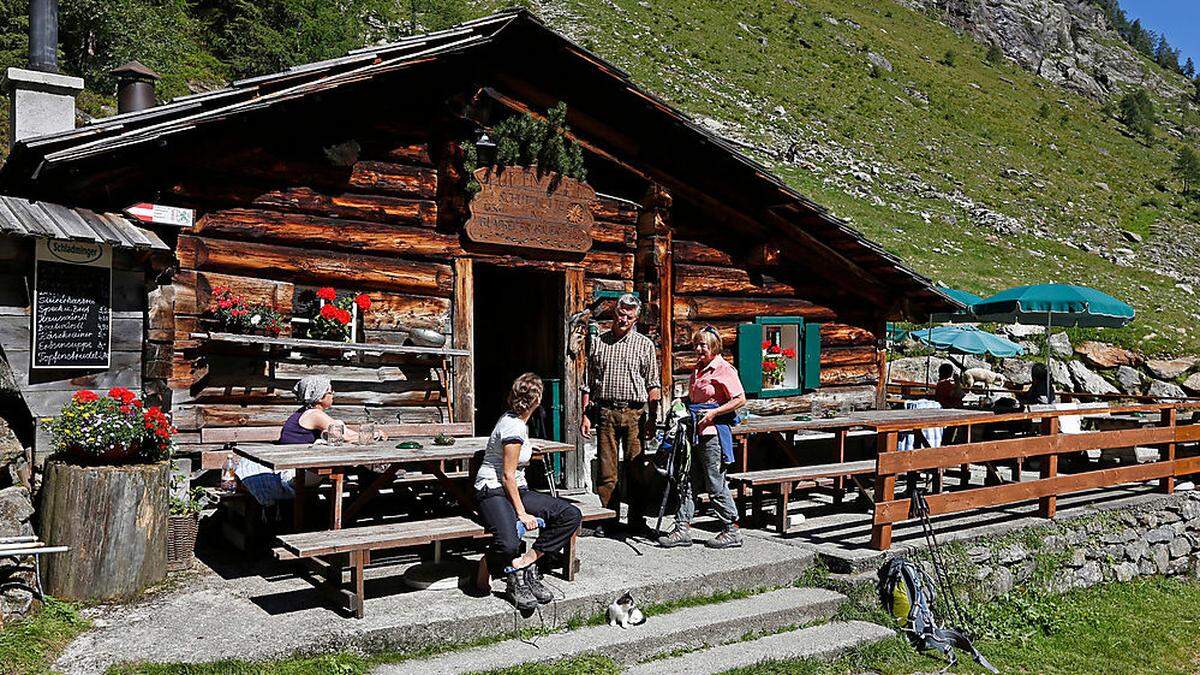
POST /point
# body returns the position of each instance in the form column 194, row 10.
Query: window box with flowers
column 779, row 356
column 235, row 315
column 337, row 315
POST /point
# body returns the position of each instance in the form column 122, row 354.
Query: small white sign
column 161, row 214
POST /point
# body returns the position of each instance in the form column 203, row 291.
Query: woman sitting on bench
column 504, row 500
column 306, row 425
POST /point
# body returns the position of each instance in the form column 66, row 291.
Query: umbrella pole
column 929, row 356
column 1049, row 371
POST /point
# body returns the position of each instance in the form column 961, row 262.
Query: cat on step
column 624, row 613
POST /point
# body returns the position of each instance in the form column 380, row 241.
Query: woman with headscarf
column 315, row 395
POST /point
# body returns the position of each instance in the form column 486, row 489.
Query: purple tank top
column 293, row 433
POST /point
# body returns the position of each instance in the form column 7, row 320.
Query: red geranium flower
column 329, row 312
column 774, row 349
column 122, row 394
column 769, row 366
column 85, row 396
column 363, row 301
column 343, row 316
column 327, row 294
column 766, row 344
column 789, row 353
column 225, row 304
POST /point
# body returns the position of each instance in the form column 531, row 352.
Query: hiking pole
column 662, row 507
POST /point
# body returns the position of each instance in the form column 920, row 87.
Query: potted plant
column 182, row 526
column 337, row 315
column 105, row 496
column 775, row 364
column 235, row 315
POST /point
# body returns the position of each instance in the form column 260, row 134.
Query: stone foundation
column 16, row 514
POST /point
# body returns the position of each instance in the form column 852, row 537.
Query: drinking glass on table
column 366, row 433
column 334, row 434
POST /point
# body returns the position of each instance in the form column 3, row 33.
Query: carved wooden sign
column 516, row 207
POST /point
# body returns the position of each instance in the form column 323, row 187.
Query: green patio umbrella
column 963, row 315
column 968, row 340
column 1061, row 305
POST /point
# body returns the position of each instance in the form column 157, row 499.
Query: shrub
column 1137, row 112
column 995, row 55
column 948, row 58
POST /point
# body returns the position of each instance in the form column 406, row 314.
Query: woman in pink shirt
column 714, row 393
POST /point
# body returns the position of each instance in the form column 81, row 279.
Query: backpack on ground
column 907, row 593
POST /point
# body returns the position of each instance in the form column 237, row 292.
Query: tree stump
column 114, row 518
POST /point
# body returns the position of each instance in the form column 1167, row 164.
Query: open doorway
column 518, row 328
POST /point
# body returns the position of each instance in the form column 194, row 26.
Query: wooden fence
column 1048, row 444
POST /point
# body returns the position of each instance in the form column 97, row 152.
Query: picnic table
column 333, row 462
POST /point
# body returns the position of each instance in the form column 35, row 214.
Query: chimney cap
column 134, row 70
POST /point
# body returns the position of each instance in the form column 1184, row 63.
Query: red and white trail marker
column 162, row 215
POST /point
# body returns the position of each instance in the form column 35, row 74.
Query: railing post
column 1048, row 505
column 885, row 491
column 1168, row 419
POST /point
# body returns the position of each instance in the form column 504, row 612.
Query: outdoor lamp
column 485, row 148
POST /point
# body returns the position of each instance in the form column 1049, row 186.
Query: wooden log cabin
column 351, row 173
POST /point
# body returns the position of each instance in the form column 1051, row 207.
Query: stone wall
column 16, row 514
column 1158, row 536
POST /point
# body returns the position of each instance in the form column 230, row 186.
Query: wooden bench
column 358, row 542
column 782, row 482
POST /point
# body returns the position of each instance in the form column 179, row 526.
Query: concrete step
column 823, row 641
column 688, row 628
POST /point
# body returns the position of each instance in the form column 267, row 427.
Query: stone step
column 823, row 641
column 688, row 628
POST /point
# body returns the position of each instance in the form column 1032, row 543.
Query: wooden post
column 356, row 571
column 463, row 322
column 337, row 478
column 885, row 491
column 653, row 275
column 573, row 375
column 1048, row 505
column 880, row 331
column 1168, row 419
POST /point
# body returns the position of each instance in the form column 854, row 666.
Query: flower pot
column 181, row 541
column 114, row 521
column 108, row 455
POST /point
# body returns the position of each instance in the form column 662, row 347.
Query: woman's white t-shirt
column 510, row 429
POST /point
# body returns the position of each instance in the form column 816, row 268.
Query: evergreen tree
column 1187, row 168
column 1189, row 69
column 1137, row 112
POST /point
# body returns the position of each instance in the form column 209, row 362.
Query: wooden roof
column 525, row 63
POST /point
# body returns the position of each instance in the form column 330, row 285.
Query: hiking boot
column 533, row 579
column 680, row 536
column 730, row 538
column 519, row 593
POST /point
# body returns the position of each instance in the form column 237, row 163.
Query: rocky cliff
column 1068, row 42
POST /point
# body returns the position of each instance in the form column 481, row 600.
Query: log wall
column 273, row 228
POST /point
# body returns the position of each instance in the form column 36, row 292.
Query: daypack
column 907, row 592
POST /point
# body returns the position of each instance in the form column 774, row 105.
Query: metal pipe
column 43, row 35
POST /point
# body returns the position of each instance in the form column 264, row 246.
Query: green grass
column 31, row 644
column 739, row 62
column 1145, row 626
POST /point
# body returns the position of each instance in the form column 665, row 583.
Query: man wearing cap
column 620, row 397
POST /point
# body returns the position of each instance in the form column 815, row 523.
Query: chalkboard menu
column 72, row 305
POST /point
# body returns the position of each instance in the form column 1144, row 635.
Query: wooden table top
column 860, row 419
column 314, row 456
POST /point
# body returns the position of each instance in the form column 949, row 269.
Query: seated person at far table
column 1040, row 391
column 504, row 500
column 306, row 425
column 949, row 392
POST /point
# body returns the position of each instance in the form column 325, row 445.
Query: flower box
column 779, row 356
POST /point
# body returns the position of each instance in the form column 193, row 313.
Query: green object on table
column 803, row 418
column 443, row 439
column 408, row 445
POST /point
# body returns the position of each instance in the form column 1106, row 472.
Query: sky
column 1178, row 19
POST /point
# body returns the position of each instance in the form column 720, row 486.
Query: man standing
column 621, row 397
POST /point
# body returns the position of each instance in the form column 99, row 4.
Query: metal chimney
column 135, row 87
column 43, row 35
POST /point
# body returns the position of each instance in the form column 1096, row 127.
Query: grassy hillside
column 907, row 155
column 980, row 174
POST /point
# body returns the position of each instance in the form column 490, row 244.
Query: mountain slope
column 982, row 176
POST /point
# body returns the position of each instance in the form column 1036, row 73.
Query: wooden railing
column 1048, row 445
column 907, row 388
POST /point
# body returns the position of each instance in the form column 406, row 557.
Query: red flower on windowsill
column 363, row 301
column 789, row 353
column 774, row 349
column 329, row 312
column 327, row 294
column 766, row 344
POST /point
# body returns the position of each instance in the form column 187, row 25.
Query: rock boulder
column 1167, row 390
column 1089, row 382
column 1129, row 380
column 1018, row 372
column 1104, row 355
column 1192, row 384
column 1060, row 345
column 1169, row 369
column 913, row 369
